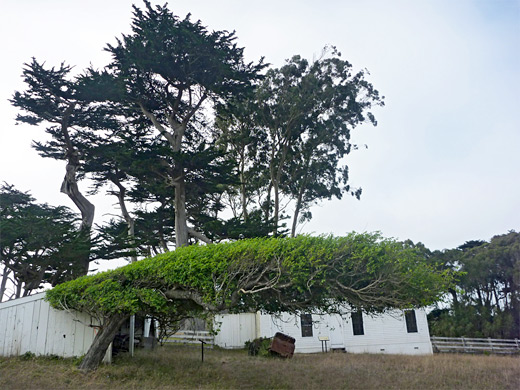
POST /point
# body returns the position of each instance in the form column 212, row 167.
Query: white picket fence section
column 475, row 345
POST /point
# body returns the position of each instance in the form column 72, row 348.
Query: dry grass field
column 180, row 367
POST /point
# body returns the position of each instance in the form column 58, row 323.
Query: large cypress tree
column 169, row 71
column 56, row 99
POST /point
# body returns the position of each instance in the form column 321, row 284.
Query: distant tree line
column 486, row 300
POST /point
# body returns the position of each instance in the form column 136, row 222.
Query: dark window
column 306, row 321
column 357, row 323
column 411, row 322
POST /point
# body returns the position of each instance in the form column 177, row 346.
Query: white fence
column 29, row 324
column 472, row 345
column 192, row 337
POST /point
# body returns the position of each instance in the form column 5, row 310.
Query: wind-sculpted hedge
column 270, row 274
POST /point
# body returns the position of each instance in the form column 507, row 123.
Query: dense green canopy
column 270, row 274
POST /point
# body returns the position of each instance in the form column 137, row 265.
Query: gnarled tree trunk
column 87, row 209
column 103, row 338
column 69, row 186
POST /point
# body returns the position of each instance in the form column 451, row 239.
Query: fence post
column 491, row 343
column 517, row 344
column 464, row 344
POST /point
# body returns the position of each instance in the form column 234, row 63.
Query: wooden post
column 491, row 343
column 202, row 349
column 132, row 336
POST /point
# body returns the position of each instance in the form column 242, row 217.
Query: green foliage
column 471, row 321
column 292, row 136
column 181, row 52
column 38, row 242
column 259, row 346
column 486, row 302
column 27, row 356
column 164, row 73
column 268, row 274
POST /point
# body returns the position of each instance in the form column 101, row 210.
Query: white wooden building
column 29, row 324
column 395, row 332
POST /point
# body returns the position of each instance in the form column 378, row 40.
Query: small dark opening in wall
column 411, row 321
column 306, row 322
column 357, row 323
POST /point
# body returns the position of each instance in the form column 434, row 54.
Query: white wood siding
column 30, row 325
column 382, row 334
column 388, row 334
column 235, row 329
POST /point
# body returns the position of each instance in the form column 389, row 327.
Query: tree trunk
column 181, row 224
column 69, row 186
column 199, row 236
column 276, row 206
column 276, row 175
column 126, row 215
column 454, row 297
column 479, row 295
column 175, row 141
column 18, row 289
column 295, row 216
column 103, row 338
column 131, row 234
column 298, row 207
column 162, row 241
column 3, row 284
column 268, row 202
column 301, row 191
column 87, row 209
column 515, row 310
column 243, row 195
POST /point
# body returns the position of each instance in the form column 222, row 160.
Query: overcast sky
column 442, row 166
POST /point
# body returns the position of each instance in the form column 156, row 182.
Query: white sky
column 443, row 164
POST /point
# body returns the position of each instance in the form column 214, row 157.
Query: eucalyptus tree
column 241, row 138
column 308, row 111
column 170, row 70
column 292, row 140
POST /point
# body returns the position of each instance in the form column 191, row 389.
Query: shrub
column 259, row 346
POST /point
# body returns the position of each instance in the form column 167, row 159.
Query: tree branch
column 199, row 235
